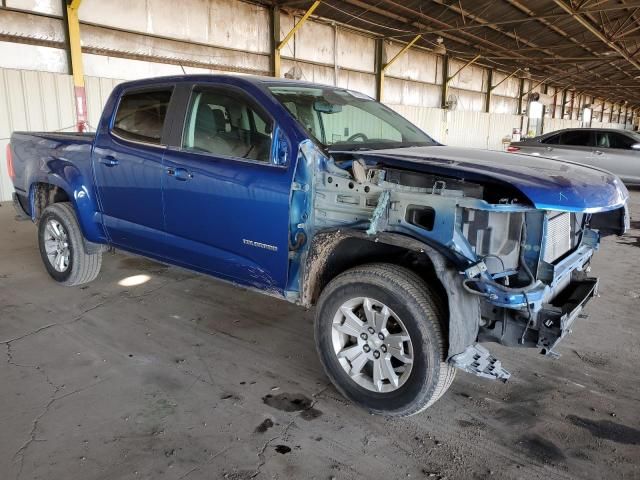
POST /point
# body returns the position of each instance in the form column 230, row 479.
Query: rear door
column 226, row 202
column 574, row 145
column 543, row 147
column 127, row 162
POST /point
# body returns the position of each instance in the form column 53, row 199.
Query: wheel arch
column 335, row 251
column 55, row 189
column 43, row 194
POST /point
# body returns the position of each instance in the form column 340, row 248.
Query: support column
column 379, row 66
column 611, row 113
column 487, row 99
column 72, row 28
column 573, row 97
column 520, row 95
column 445, row 81
column 275, row 40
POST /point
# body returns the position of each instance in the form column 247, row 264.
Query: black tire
column 421, row 311
column 82, row 267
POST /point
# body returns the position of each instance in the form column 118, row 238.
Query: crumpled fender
column 464, row 309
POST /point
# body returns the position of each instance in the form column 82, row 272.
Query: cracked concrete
column 166, row 380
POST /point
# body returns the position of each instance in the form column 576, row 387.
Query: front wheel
column 379, row 336
column 62, row 249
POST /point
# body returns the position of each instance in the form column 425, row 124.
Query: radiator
column 558, row 241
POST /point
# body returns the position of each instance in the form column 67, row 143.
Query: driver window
column 227, row 125
column 617, row 140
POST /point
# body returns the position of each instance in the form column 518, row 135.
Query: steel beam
column 446, row 79
column 401, row 52
column 382, row 67
column 281, row 44
column 533, row 18
column 596, row 32
column 520, row 90
column 535, row 86
column 379, row 66
column 275, row 40
column 469, row 63
column 445, row 82
column 487, row 98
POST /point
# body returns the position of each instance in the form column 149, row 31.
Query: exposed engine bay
column 529, row 266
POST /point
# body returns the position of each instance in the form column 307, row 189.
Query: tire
column 414, row 311
column 79, row 267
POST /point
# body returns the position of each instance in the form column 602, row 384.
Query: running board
column 477, row 360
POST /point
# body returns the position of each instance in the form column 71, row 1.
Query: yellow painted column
column 76, row 64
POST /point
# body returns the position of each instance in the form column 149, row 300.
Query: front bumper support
column 556, row 318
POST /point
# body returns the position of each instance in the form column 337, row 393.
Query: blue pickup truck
column 415, row 255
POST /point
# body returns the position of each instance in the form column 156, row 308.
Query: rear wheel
column 378, row 333
column 62, row 249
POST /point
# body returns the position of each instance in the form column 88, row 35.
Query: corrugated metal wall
column 31, row 101
column 500, row 127
column 41, row 101
column 462, row 128
column 467, row 129
column 98, row 90
column 430, row 120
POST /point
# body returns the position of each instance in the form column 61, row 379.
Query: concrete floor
column 171, row 378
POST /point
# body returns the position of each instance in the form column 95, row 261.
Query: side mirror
column 280, row 148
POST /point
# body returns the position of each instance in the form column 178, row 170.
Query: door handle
column 181, row 174
column 598, row 152
column 108, row 160
column 549, row 149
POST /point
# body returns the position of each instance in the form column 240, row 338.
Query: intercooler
column 559, row 238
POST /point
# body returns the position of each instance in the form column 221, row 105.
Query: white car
column 615, row 150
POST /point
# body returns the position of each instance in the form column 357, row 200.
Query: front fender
column 464, row 308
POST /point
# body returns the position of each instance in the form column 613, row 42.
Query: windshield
column 346, row 120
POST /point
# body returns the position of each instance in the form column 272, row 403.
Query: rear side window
column 579, row 138
column 141, row 115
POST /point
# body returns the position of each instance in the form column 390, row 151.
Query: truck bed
column 32, row 150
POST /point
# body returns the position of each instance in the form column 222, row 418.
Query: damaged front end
column 520, row 272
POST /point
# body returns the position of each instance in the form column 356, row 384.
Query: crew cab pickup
column 416, row 255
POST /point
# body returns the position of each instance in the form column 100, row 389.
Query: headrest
column 220, row 121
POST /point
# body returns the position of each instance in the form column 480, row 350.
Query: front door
column 226, row 202
column 127, row 162
column 614, row 152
